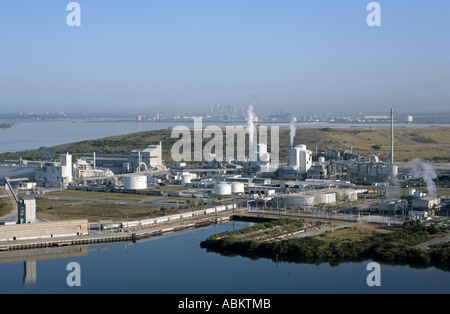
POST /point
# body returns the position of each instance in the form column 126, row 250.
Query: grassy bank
column 354, row 243
column 429, row 143
column 57, row 210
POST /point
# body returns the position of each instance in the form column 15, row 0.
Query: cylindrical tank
column 340, row 195
column 134, row 182
column 185, row 178
column 222, row 189
column 299, row 201
column 351, row 196
column 410, row 192
column 238, row 188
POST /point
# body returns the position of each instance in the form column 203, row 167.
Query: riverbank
column 118, row 235
column 430, row 143
column 395, row 246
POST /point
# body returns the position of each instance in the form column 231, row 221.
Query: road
column 323, row 229
column 427, row 245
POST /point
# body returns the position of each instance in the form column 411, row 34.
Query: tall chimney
column 392, row 136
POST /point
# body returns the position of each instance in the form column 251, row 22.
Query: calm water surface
column 175, row 263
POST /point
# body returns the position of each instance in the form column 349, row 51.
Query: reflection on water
column 29, row 258
column 175, row 263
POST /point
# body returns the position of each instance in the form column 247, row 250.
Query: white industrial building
column 426, row 203
column 84, row 169
column 55, row 174
column 300, row 158
column 149, row 158
column 392, row 206
column 28, row 210
column 259, row 161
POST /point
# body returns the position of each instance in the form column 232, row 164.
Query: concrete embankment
column 128, row 236
column 81, row 240
column 157, row 231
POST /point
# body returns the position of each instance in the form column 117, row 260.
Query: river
column 175, row 264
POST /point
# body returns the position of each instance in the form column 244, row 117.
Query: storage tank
column 299, row 201
column 340, row 195
column 238, row 188
column 134, row 182
column 410, row 192
column 351, row 195
column 222, row 189
column 185, row 178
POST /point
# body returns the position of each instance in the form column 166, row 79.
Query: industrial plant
column 310, row 182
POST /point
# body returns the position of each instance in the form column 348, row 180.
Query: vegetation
column 6, row 206
column 392, row 247
column 429, row 143
column 56, row 210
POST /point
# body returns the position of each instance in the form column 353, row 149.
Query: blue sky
column 169, row 55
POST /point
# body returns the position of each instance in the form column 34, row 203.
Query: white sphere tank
column 238, row 188
column 135, row 182
column 222, row 189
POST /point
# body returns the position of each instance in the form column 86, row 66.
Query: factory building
column 55, row 174
column 300, row 159
column 392, row 206
column 83, row 169
column 259, row 161
column 43, row 230
column 426, row 203
column 149, row 158
column 28, row 210
column 298, row 163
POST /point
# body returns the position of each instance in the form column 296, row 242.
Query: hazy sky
column 185, row 55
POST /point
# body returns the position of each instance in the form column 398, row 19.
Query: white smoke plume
column 424, row 170
column 292, row 131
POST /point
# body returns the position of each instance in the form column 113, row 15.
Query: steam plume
column 292, row 131
column 424, row 170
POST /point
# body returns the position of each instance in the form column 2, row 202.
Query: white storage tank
column 135, row 182
column 299, row 201
column 185, row 178
column 410, row 192
column 238, row 188
column 222, row 189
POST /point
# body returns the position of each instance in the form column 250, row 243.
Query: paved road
column 427, row 245
column 318, row 231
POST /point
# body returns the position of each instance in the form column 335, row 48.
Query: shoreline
column 108, row 237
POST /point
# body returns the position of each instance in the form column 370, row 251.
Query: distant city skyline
column 184, row 56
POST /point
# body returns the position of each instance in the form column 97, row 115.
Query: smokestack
column 392, row 136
